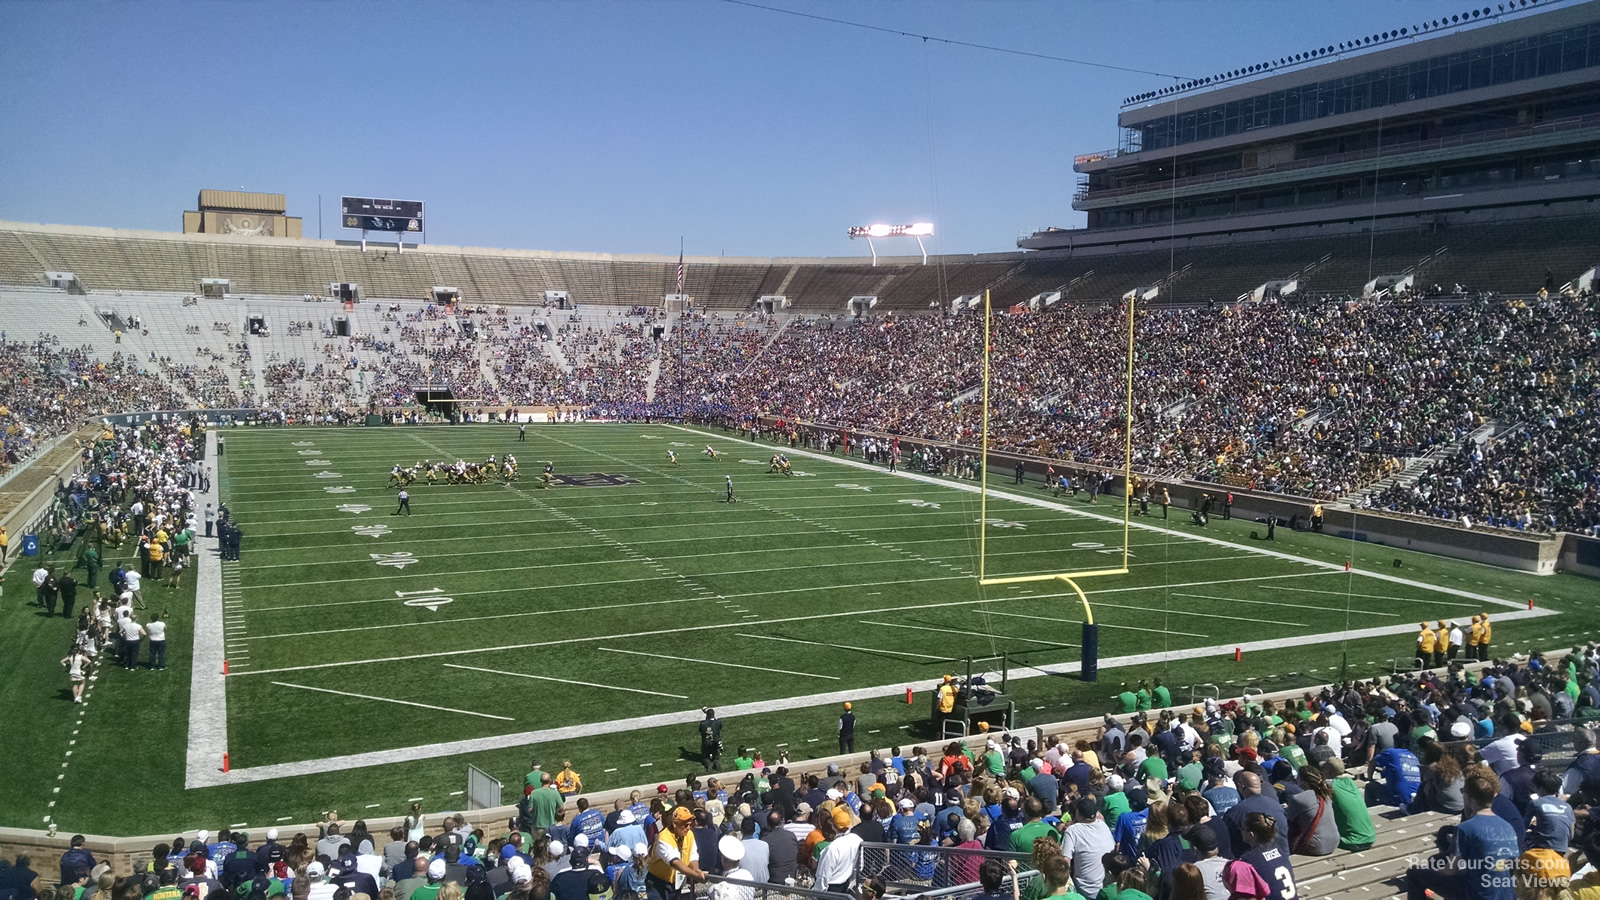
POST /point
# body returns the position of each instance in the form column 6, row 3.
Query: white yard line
column 991, row 612
column 607, row 687
column 1383, row 597
column 980, row 634
column 1286, row 605
column 208, row 689
column 448, row 709
column 718, row 662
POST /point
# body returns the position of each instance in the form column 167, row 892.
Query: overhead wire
column 953, row 41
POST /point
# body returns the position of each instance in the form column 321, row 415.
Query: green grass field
column 371, row 656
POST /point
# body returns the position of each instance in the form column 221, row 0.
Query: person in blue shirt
column 1220, row 792
column 1401, row 777
column 1131, row 824
column 1550, row 819
column 1483, row 855
column 589, row 822
column 903, row 827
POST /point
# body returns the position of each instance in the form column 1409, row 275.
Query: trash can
column 30, row 545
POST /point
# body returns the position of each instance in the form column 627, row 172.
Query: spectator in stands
column 1482, row 851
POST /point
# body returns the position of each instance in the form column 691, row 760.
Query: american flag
column 680, row 271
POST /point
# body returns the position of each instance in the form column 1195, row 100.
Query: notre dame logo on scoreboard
column 596, row 479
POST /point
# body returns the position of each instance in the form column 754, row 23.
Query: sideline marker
column 224, row 667
column 224, row 760
column 1238, row 654
column 908, row 690
column 1530, row 603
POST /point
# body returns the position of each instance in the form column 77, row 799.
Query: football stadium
column 1239, row 539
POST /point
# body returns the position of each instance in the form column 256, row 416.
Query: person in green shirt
column 995, row 759
column 91, row 562
column 1033, row 826
column 1162, row 697
column 1116, row 802
column 1126, row 701
column 531, row 780
column 1192, row 773
column 545, row 801
column 1142, row 696
column 1124, row 879
column 744, row 760
column 1153, row 767
column 1349, row 808
column 1292, row 752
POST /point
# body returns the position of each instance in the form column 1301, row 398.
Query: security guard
column 1425, row 645
column 710, row 739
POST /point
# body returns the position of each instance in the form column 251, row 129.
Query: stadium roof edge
column 353, row 245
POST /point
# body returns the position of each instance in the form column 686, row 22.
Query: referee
column 405, row 505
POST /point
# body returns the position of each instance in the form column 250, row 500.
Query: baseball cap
column 1538, row 868
column 841, row 817
column 661, row 789
column 1203, row 839
column 509, row 851
column 1461, row 731
column 833, row 794
column 436, row 868
column 1011, row 792
column 640, row 849
column 556, row 848
column 347, row 864
column 580, row 841
column 685, row 814
column 907, row 803
column 625, row 853
column 1137, row 799
column 1115, row 782
column 202, row 835
column 272, row 834
column 314, row 869
column 522, row 874
column 731, row 848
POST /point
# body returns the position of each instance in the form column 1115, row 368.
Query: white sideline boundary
column 210, row 692
column 208, row 689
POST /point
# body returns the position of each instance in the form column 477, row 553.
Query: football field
column 630, row 593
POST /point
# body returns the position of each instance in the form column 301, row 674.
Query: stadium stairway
column 1378, row 872
column 1416, row 466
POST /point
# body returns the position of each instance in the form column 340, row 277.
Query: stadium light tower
column 918, row 231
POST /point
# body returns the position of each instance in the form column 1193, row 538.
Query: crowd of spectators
column 1314, row 398
column 1219, row 802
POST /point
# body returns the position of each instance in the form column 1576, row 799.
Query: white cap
column 1114, row 782
column 730, row 848
column 640, row 849
column 522, row 873
column 313, row 869
column 1037, row 763
column 436, row 869
column 1011, row 792
column 625, row 818
column 272, row 834
column 580, row 841
column 556, row 848
column 624, row 852
column 907, row 803
column 202, row 835
column 833, row 794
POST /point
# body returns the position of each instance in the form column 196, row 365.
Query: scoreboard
column 369, row 214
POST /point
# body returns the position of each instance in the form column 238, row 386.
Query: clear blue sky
column 606, row 126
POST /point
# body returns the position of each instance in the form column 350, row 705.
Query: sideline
column 208, row 690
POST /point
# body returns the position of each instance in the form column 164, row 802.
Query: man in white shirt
column 131, row 632
column 134, row 580
column 1086, row 842
column 836, row 867
column 732, row 851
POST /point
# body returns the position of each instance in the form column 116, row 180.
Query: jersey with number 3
column 1273, row 865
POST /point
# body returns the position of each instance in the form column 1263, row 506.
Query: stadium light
column 917, row 230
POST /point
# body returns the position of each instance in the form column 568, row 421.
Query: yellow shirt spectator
column 1425, row 640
